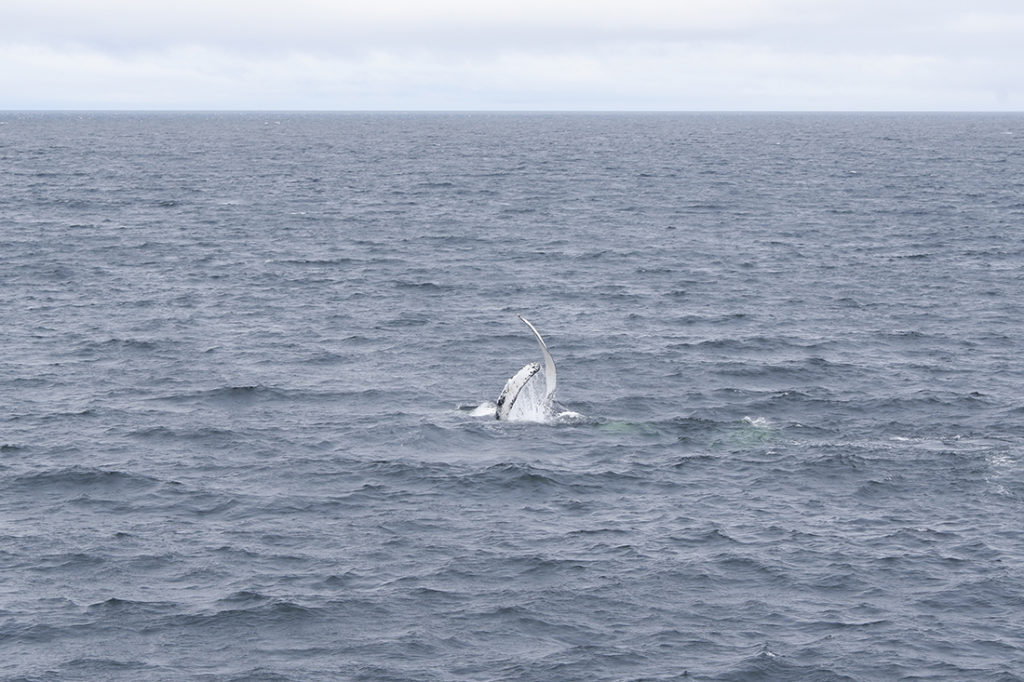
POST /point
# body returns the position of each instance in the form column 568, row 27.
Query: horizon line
column 155, row 110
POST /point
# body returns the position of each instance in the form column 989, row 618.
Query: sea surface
column 248, row 364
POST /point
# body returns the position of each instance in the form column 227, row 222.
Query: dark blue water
column 241, row 355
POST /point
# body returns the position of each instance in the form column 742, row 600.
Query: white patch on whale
column 513, row 388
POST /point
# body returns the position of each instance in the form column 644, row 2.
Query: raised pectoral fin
column 550, row 378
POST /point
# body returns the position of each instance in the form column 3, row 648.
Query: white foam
column 484, row 409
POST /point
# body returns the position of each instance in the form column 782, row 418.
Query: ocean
column 250, row 362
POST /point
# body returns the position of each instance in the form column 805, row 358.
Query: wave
column 765, row 664
column 126, row 607
column 248, row 394
column 79, row 480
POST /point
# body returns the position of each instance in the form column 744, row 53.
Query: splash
column 484, row 409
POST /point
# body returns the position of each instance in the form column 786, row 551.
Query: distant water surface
column 242, row 353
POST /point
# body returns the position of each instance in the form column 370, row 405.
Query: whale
column 515, row 385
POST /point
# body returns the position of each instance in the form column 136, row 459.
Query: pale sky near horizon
column 849, row 55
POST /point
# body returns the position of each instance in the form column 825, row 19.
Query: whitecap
column 484, row 409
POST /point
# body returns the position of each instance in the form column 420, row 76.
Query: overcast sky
column 513, row 55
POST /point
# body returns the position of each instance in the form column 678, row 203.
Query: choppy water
column 242, row 354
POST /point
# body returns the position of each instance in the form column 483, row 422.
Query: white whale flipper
column 550, row 378
column 512, row 388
